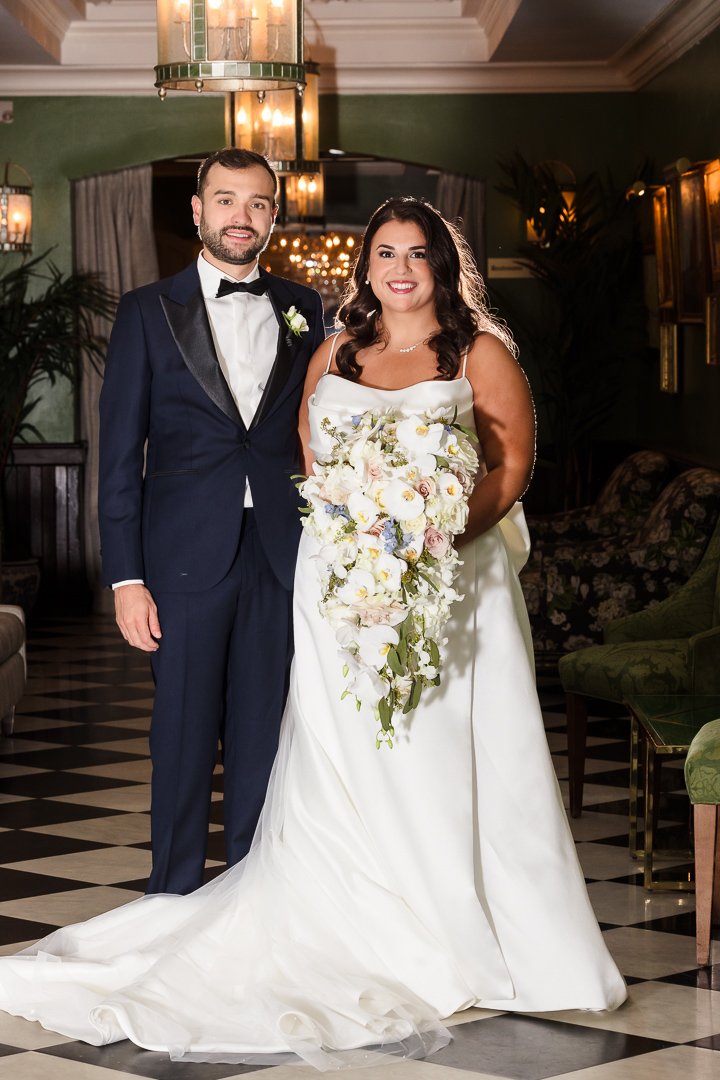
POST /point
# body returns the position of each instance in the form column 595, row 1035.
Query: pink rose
column 464, row 477
column 426, row 487
column 437, row 543
column 375, row 529
column 375, row 469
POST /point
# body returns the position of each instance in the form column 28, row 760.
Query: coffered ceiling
column 375, row 46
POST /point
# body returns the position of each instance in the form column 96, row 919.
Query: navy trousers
column 221, row 675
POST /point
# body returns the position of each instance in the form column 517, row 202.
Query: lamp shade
column 229, row 45
column 15, row 210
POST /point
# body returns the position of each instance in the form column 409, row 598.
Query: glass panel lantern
column 229, row 44
column 281, row 124
column 304, row 196
column 15, row 211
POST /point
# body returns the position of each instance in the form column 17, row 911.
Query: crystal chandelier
column 229, row 45
column 321, row 259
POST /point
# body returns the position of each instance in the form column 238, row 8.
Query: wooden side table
column 661, row 724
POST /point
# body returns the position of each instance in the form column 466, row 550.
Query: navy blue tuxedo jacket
column 175, row 521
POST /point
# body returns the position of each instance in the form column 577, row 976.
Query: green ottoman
column 702, row 778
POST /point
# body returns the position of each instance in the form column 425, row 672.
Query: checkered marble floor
column 74, row 841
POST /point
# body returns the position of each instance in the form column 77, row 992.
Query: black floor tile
column 86, row 720
column 15, row 930
column 89, row 728
column 71, row 757
column 15, row 884
column 20, row 844
column 672, row 924
column 128, row 1058
column 6, row 1051
column 47, row 784
column 711, row 1043
column 24, row 815
column 526, row 1048
column 707, row 978
column 101, row 694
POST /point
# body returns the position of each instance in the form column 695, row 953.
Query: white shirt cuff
column 130, row 581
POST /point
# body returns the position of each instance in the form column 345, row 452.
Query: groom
column 204, row 378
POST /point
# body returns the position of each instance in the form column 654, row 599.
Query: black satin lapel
column 283, row 362
column 190, row 327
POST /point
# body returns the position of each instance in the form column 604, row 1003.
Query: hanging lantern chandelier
column 229, row 45
column 284, row 126
column 15, row 211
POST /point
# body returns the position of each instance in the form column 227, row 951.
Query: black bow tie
column 257, row 287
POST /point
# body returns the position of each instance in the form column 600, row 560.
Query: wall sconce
column 637, row 189
column 229, row 45
column 15, row 211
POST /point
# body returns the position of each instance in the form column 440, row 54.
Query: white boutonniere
column 295, row 321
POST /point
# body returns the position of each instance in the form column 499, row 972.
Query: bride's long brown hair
column 460, row 298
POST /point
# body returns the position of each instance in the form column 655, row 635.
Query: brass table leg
column 633, row 795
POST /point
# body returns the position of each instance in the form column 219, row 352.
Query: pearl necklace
column 412, row 348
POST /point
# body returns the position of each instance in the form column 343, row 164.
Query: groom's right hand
column 136, row 615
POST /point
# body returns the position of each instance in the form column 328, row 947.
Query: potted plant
column 46, row 325
column 591, row 332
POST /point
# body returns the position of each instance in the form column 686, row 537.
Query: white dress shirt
column 245, row 335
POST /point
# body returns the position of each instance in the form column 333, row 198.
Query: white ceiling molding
column 679, row 27
column 46, row 21
column 494, row 16
column 363, row 47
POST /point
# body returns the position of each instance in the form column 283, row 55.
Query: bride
column 385, row 890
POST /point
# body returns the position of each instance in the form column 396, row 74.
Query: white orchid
column 362, row 510
column 385, row 507
column 418, row 436
column 374, row 643
column 401, row 501
column 357, row 586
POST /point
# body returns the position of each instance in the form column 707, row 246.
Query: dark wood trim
column 43, row 496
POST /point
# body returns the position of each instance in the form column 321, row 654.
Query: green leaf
column 434, row 653
column 393, row 661
column 385, row 710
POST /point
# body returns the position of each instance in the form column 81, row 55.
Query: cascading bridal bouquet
column 386, row 502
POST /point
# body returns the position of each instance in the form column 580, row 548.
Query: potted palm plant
column 591, row 332
column 46, row 325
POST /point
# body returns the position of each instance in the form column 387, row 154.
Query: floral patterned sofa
column 573, row 590
column 619, row 509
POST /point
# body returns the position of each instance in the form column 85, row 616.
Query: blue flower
column 389, row 538
column 356, row 421
column 336, row 511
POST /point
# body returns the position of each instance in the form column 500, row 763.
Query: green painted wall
column 58, row 139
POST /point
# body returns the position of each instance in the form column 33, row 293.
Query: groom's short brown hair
column 235, row 158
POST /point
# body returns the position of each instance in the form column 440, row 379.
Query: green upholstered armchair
column 673, row 648
column 576, row 592
column 619, row 509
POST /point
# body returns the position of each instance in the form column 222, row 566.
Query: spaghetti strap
column 332, row 351
column 465, row 356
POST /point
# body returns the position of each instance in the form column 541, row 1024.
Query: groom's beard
column 214, row 242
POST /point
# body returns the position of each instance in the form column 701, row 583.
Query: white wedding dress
column 386, row 889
